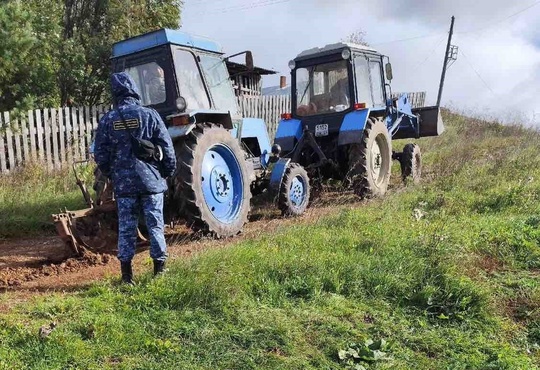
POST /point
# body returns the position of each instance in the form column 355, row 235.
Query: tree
column 357, row 37
column 91, row 27
column 27, row 69
column 56, row 52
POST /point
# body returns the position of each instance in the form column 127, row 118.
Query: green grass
column 370, row 287
column 29, row 197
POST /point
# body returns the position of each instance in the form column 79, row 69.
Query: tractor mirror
column 388, row 68
column 249, row 61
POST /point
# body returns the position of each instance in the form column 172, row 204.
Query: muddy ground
column 40, row 265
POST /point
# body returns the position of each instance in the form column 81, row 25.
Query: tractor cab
column 185, row 78
column 179, row 75
column 336, row 80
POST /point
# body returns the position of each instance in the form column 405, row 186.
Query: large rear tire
column 370, row 161
column 411, row 163
column 212, row 184
column 294, row 192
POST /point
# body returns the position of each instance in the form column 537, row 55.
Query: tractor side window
column 376, row 83
column 190, row 81
column 150, row 79
column 363, row 83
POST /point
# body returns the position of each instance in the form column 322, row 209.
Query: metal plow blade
column 91, row 229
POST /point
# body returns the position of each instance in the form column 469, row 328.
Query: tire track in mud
column 42, row 265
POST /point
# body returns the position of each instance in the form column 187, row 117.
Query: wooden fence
column 59, row 136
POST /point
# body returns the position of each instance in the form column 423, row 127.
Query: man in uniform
column 138, row 184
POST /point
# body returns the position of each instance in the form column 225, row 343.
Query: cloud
column 503, row 52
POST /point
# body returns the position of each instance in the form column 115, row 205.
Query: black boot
column 159, row 267
column 127, row 272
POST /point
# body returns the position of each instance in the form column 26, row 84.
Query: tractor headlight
column 292, row 64
column 181, row 104
column 346, row 54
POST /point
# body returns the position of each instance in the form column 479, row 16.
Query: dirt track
column 30, row 266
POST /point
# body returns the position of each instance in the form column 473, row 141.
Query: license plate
column 321, row 130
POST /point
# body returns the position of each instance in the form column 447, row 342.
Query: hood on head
column 123, row 86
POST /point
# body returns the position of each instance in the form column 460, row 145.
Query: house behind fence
column 57, row 137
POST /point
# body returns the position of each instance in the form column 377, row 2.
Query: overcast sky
column 498, row 67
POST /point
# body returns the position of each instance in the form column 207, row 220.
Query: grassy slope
column 457, row 288
column 29, row 197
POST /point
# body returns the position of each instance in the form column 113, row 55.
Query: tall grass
column 31, row 194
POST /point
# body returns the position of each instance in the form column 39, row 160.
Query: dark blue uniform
column 137, row 184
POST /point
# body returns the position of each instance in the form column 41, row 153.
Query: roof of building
column 162, row 37
column 238, row 68
column 334, row 47
column 277, row 90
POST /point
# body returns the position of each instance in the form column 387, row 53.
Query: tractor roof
column 332, row 48
column 163, row 37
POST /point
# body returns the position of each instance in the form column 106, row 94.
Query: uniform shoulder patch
column 130, row 124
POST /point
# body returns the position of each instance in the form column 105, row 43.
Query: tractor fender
column 201, row 116
column 352, row 128
column 288, row 133
column 276, row 177
column 254, row 134
column 180, row 131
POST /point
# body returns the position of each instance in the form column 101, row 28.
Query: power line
column 477, row 73
column 408, row 39
column 502, row 20
column 431, row 52
column 254, row 5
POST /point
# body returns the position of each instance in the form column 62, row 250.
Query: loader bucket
column 431, row 123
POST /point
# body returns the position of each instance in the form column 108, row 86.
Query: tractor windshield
column 219, row 83
column 323, row 88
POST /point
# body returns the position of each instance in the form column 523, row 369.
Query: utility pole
column 449, row 56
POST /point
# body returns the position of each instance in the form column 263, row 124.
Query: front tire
column 212, row 183
column 370, row 161
column 294, row 192
column 411, row 163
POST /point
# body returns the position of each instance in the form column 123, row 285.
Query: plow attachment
column 93, row 229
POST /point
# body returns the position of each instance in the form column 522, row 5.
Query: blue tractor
column 222, row 157
column 343, row 119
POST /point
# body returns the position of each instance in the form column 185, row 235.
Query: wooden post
column 69, row 135
column 32, row 134
column 17, row 136
column 9, row 141
column 39, row 130
column 74, row 132
column 62, row 135
column 47, row 129
column 55, row 131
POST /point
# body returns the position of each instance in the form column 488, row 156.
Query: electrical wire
column 408, row 39
column 476, row 72
column 439, row 42
column 243, row 7
column 502, row 20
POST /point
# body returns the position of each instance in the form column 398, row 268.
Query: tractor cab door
column 368, row 74
column 153, row 73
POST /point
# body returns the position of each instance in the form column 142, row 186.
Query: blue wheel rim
column 222, row 183
column 297, row 191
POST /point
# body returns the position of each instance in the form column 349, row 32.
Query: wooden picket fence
column 57, row 137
